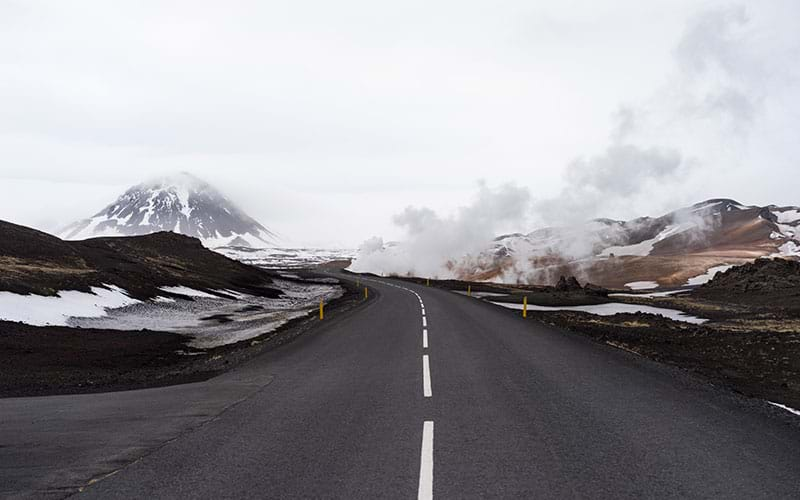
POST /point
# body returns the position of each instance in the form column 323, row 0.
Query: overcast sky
column 325, row 119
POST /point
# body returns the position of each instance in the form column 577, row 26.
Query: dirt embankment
column 758, row 358
column 38, row 361
column 38, row 263
column 766, row 283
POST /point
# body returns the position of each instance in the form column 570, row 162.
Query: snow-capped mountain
column 669, row 250
column 180, row 203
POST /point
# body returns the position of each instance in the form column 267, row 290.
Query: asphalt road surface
column 419, row 393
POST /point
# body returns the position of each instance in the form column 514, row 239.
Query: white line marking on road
column 426, row 463
column 426, row 376
column 425, row 339
column 424, row 321
column 423, row 311
column 787, row 408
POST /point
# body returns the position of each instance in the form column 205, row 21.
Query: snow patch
column 641, row 285
column 788, row 249
column 39, row 310
column 481, row 295
column 708, row 275
column 788, row 216
column 652, row 295
column 286, row 258
column 645, row 247
column 613, row 308
column 188, row 292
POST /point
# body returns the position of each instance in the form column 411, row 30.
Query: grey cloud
column 721, row 75
column 597, row 186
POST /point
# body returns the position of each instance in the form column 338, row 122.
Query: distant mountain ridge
column 667, row 250
column 179, row 203
column 681, row 248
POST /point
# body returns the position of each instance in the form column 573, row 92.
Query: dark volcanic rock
column 591, row 288
column 765, row 281
column 35, row 262
column 568, row 284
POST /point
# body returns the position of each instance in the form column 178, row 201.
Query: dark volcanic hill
column 182, row 204
column 774, row 282
column 35, row 262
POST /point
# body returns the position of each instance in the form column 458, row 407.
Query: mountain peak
column 181, row 203
column 177, row 180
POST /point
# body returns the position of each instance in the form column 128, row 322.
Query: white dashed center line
column 426, row 463
column 425, row 491
column 426, row 376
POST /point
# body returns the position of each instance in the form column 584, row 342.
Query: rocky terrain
column 771, row 283
column 124, row 312
column 35, row 262
column 39, row 361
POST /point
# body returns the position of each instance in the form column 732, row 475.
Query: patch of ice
column 42, row 311
column 230, row 333
column 188, row 292
column 708, row 275
column 652, row 295
column 641, row 285
column 613, row 308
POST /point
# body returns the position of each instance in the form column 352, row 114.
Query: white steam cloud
column 717, row 85
column 434, row 243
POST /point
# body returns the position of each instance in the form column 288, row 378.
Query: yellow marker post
column 525, row 307
column 321, row 310
column 469, row 291
column 366, row 293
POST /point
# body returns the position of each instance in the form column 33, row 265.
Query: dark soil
column 770, row 283
column 35, row 262
column 219, row 318
column 39, row 361
column 748, row 358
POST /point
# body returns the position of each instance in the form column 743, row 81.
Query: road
column 419, row 393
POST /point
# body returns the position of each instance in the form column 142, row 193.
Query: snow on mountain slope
column 286, row 258
column 182, row 204
column 667, row 250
